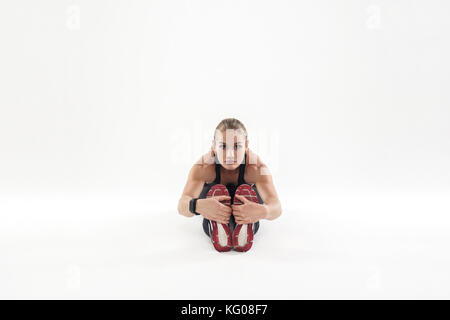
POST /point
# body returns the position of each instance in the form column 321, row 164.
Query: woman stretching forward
column 231, row 188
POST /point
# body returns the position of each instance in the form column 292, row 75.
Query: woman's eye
column 237, row 146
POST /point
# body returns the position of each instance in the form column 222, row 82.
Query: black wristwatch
column 193, row 206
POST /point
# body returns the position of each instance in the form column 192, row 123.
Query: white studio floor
column 353, row 246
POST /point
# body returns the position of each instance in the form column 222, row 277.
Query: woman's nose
column 230, row 154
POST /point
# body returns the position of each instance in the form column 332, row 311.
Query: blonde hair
column 231, row 123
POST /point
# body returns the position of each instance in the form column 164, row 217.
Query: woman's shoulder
column 253, row 161
column 204, row 167
column 206, row 159
column 255, row 169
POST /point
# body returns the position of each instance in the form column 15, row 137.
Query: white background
column 104, row 107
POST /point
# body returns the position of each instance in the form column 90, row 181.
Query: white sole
column 242, row 237
column 222, row 235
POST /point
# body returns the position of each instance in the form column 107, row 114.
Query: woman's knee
column 256, row 227
column 206, row 227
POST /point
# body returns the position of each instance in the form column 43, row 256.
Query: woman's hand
column 212, row 209
column 248, row 211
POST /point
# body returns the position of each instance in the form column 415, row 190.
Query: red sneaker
column 243, row 233
column 220, row 232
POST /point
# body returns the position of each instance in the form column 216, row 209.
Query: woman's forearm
column 273, row 208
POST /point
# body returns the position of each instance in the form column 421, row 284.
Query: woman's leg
column 256, row 225
column 243, row 233
column 219, row 233
column 206, row 222
column 232, row 189
column 232, row 223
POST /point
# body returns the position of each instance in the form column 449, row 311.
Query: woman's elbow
column 182, row 210
column 180, row 207
column 279, row 212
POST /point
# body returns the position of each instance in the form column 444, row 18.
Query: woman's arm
column 191, row 190
column 268, row 194
column 210, row 208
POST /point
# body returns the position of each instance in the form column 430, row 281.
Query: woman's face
column 230, row 147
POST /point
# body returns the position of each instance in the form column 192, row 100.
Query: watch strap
column 193, row 206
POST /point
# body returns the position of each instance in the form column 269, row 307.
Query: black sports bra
column 241, row 171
